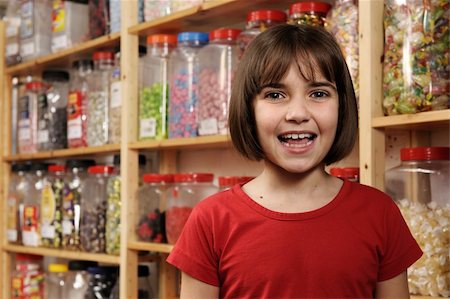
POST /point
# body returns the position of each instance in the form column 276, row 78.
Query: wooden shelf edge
column 216, row 141
column 146, row 246
column 74, row 255
column 406, row 120
column 425, row 297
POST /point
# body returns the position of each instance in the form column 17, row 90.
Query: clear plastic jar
column 257, row 22
column 309, row 13
column 183, row 84
column 70, row 23
column 93, row 209
column 152, row 197
column 71, row 209
column 112, row 229
column 55, row 282
column 415, row 73
column 420, row 186
column 52, row 111
column 154, row 91
column 101, row 282
column 227, row 182
column 189, row 189
column 35, row 28
column 12, row 27
column 343, row 24
column 77, row 104
column 98, row 18
column 346, row 173
column 51, row 205
column 115, row 104
column 78, row 278
column 18, row 188
column 98, row 99
column 27, row 279
column 217, row 66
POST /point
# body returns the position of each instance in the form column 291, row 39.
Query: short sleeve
column 193, row 253
column 400, row 248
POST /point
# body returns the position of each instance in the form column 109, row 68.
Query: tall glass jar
column 217, row 66
column 154, row 91
column 112, row 229
column 77, row 104
column 416, row 64
column 55, row 282
column 78, row 278
column 257, row 22
column 27, row 278
column 309, row 13
column 12, row 27
column 98, row 99
column 183, row 84
column 189, row 189
column 115, row 104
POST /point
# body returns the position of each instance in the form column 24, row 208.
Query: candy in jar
column 309, row 13
column 12, row 27
column 112, row 230
column 27, row 279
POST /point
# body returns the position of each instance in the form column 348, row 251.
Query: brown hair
column 267, row 60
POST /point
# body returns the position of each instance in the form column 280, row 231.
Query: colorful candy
column 176, row 218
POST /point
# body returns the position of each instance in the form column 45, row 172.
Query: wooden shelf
column 145, row 246
column 216, row 141
column 72, row 255
column 64, row 58
column 422, row 120
column 65, row 153
column 425, row 297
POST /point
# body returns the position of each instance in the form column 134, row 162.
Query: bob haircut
column 267, row 60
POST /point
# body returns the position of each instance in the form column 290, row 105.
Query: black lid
column 20, row 167
column 143, row 271
column 40, row 166
column 55, row 75
column 81, row 265
column 142, row 160
column 83, row 63
column 105, row 270
column 79, row 1
column 80, row 163
column 142, row 50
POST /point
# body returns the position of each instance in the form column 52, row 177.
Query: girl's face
column 296, row 120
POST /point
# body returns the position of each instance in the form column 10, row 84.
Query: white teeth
column 298, row 145
column 297, row 136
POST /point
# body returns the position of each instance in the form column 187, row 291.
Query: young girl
column 294, row 231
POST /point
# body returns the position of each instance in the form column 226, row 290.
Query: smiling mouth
column 297, row 140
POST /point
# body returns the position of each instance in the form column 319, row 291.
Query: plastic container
column 217, row 66
column 346, row 173
column 227, row 182
column 93, row 209
column 101, row 282
column 112, row 229
column 154, row 90
column 189, row 189
column 257, row 22
column 56, row 281
column 27, row 278
column 415, row 73
column 77, row 104
column 35, row 28
column 420, row 186
column 183, row 84
column 309, row 13
column 98, row 18
column 78, row 278
column 98, row 99
column 70, row 23
column 152, row 197
column 115, row 104
column 12, row 27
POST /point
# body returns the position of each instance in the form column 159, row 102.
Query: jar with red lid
column 93, row 209
column 346, row 173
column 27, row 278
column 217, row 66
column 152, row 198
column 189, row 189
column 309, row 13
column 420, row 186
column 257, row 22
column 227, row 182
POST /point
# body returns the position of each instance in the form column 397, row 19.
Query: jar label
column 58, row 16
column 67, row 227
column 47, row 208
column 24, row 129
column 12, row 27
column 116, row 95
column 27, row 49
column 12, row 218
column 12, row 49
column 208, row 127
column 59, row 42
column 27, row 22
column 147, row 128
column 30, row 227
column 43, row 136
column 74, row 123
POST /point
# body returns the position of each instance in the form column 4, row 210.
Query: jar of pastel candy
column 415, row 72
column 183, row 84
column 189, row 189
column 309, row 13
column 217, row 66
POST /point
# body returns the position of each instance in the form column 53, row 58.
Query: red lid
column 345, row 172
column 265, row 14
column 309, row 6
column 224, row 33
column 56, row 168
column 162, row 39
column 229, row 181
column 103, row 55
column 157, row 178
column 193, row 177
column 100, row 169
column 33, row 85
column 27, row 257
column 425, row 153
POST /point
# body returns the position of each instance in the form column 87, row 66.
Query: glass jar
column 420, row 186
column 93, row 209
column 98, row 99
column 227, row 182
column 415, row 72
column 154, row 91
column 77, row 104
column 98, row 18
column 70, row 23
column 78, row 278
column 112, row 229
column 189, row 189
column 343, row 24
column 12, row 27
column 257, row 22
column 115, row 105
column 51, row 205
column 101, row 282
column 71, row 210
column 183, row 84
column 55, row 282
column 217, row 66
column 346, row 173
column 35, row 28
column 309, row 13
column 18, row 188
column 27, row 279
column 152, row 197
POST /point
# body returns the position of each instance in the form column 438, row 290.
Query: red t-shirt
column 340, row 250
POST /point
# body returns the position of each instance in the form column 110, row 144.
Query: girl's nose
column 297, row 111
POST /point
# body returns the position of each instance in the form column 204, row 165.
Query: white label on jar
column 67, row 227
column 59, row 42
column 74, row 128
column 27, row 49
column 30, row 238
column 13, row 27
column 24, row 129
column 47, row 231
column 11, row 235
column 208, row 127
column 115, row 95
column 147, row 128
column 43, row 136
column 12, row 49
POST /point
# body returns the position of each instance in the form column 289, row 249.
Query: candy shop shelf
column 65, row 153
column 72, row 255
column 424, row 297
column 423, row 120
column 206, row 142
column 65, row 57
column 146, row 246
